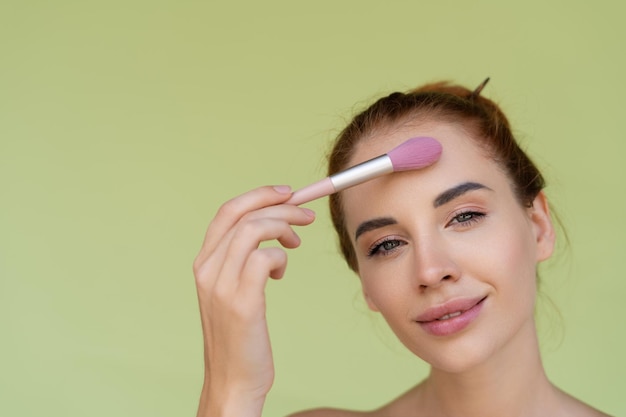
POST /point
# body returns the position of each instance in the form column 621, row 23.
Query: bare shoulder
column 396, row 407
column 573, row 407
column 588, row 411
column 584, row 411
column 331, row 412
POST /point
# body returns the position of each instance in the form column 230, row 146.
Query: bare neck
column 510, row 383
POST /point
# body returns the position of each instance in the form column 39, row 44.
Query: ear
column 544, row 230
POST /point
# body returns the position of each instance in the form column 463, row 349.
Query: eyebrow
column 457, row 191
column 443, row 198
column 374, row 224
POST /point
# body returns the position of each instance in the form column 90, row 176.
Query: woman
column 447, row 254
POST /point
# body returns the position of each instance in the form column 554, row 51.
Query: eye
column 384, row 247
column 466, row 218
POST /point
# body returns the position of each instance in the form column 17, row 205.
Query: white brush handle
column 350, row 177
column 362, row 172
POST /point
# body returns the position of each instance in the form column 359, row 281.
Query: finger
column 293, row 215
column 245, row 240
column 232, row 211
column 208, row 266
column 288, row 212
column 261, row 264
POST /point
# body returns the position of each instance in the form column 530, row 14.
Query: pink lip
column 469, row 307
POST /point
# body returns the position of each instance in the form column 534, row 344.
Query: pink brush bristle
column 415, row 153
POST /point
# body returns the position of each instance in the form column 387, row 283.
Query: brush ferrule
column 362, row 172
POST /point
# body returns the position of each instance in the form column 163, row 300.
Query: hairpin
column 478, row 89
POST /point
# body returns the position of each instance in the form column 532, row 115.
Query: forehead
column 382, row 141
column 462, row 160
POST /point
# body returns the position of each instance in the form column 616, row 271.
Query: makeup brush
column 415, row 153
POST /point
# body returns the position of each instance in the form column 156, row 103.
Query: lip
column 468, row 307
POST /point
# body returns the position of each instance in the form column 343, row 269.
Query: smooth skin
column 481, row 243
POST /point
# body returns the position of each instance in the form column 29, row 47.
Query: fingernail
column 308, row 212
column 283, row 189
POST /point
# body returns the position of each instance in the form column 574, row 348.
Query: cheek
column 385, row 289
column 508, row 262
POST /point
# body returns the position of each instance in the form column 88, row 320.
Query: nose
column 434, row 263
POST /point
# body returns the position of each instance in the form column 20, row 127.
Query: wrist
column 229, row 403
column 235, row 409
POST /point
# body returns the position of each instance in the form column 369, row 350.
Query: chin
column 456, row 361
column 459, row 363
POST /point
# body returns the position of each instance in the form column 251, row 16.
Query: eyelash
column 471, row 217
column 375, row 249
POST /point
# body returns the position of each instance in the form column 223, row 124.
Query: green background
column 125, row 124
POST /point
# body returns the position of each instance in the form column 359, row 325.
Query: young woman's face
column 447, row 254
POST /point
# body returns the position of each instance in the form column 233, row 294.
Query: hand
column 231, row 272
